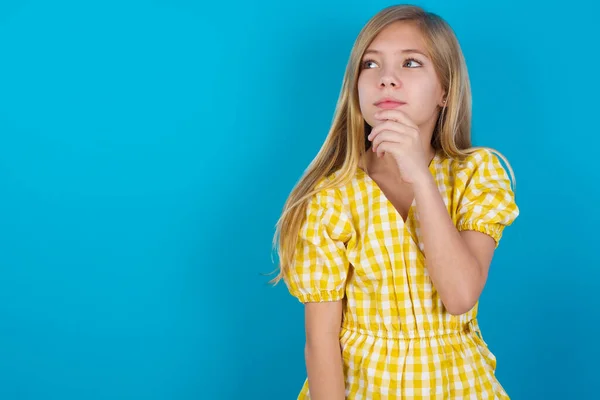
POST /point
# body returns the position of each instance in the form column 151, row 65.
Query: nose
column 388, row 79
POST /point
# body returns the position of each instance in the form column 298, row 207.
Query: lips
column 389, row 102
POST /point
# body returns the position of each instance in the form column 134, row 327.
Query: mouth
column 388, row 103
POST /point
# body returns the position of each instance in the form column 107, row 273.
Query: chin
column 368, row 121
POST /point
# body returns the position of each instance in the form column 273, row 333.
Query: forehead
column 398, row 36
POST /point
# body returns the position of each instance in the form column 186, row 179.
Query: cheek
column 368, row 83
column 363, row 94
column 428, row 93
column 434, row 90
column 365, row 101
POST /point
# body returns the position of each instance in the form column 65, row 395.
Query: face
column 396, row 67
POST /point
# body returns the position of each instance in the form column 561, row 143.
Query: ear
column 443, row 101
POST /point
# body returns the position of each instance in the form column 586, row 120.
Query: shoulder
column 327, row 215
column 325, row 190
column 327, row 197
column 485, row 199
column 337, row 198
column 481, row 164
column 342, row 190
column 476, row 158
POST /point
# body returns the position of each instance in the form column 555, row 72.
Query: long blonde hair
column 345, row 143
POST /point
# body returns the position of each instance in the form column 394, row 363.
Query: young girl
column 388, row 237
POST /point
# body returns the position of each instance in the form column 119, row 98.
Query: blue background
column 146, row 150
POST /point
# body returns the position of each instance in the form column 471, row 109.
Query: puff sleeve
column 320, row 265
column 487, row 203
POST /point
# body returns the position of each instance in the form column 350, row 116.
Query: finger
column 387, row 147
column 395, row 115
column 394, row 148
column 388, row 136
column 378, row 128
column 392, row 126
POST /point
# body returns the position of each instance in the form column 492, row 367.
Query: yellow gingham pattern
column 398, row 342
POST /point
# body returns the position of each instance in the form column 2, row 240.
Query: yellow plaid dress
column 397, row 340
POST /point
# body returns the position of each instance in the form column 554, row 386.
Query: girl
column 388, row 237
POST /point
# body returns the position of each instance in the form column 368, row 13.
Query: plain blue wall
column 146, row 149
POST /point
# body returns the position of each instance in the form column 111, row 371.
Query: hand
column 400, row 137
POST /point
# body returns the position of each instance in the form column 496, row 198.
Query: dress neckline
column 379, row 192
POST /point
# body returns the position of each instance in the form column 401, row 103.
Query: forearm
column 324, row 368
column 453, row 269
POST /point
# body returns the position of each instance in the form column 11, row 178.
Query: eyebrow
column 405, row 51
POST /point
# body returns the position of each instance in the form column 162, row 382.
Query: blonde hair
column 345, row 143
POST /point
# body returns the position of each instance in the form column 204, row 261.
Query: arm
column 457, row 262
column 322, row 350
column 317, row 278
column 458, row 256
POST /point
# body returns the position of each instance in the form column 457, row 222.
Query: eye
column 412, row 63
column 368, row 64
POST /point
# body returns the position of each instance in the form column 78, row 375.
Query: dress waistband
column 470, row 327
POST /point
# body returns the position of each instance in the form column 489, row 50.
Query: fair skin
column 322, row 351
column 396, row 66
